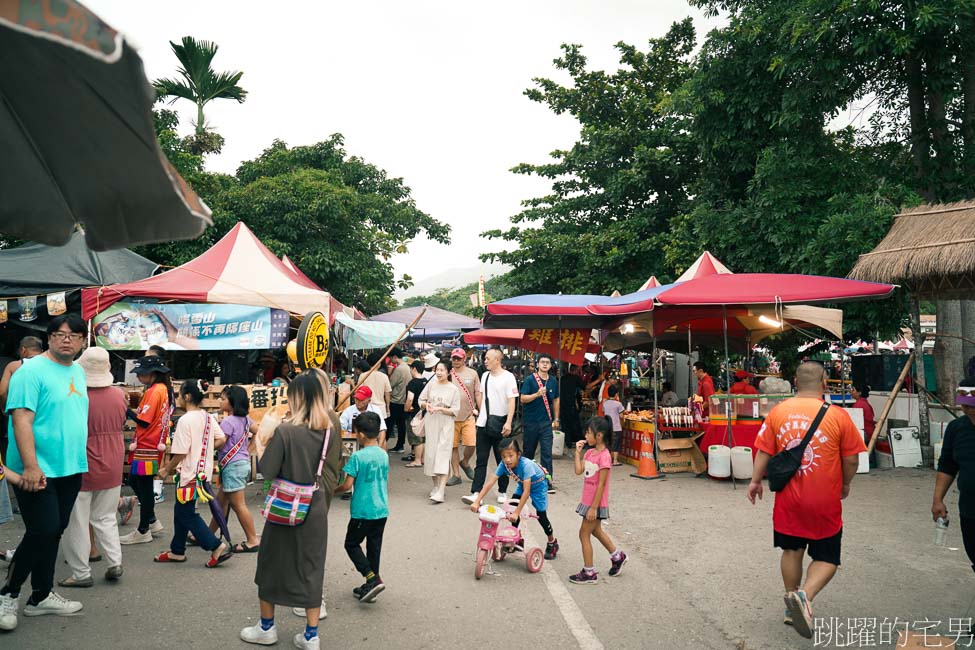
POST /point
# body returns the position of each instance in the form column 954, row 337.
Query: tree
column 458, row 300
column 615, row 191
column 200, row 84
column 339, row 218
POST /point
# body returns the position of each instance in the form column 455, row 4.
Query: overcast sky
column 429, row 91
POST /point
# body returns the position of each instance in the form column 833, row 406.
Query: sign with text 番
column 190, row 326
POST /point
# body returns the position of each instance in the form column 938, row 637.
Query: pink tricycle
column 499, row 537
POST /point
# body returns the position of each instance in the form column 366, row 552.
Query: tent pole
column 690, row 364
column 727, row 374
column 656, row 421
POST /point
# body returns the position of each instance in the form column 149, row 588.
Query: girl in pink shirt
column 596, row 464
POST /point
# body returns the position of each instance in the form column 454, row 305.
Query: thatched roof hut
column 930, row 250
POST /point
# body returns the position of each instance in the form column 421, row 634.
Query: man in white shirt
column 363, row 397
column 378, row 384
column 500, row 390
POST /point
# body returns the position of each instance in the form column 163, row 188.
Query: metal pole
column 656, row 420
column 727, row 373
column 690, row 364
column 922, row 398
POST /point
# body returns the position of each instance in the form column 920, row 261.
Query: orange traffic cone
column 648, row 466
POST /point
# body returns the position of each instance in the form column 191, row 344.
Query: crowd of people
column 66, row 455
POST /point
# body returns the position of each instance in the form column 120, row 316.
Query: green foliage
column 337, row 217
column 732, row 151
column 614, row 192
column 199, row 83
column 459, row 301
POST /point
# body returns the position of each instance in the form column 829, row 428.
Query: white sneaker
column 8, row 555
column 502, row 497
column 255, row 634
column 156, row 527
column 300, row 611
column 53, row 604
column 8, row 613
column 469, row 499
column 135, row 537
column 437, row 497
column 305, row 644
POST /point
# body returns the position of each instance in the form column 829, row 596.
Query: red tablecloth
column 742, row 434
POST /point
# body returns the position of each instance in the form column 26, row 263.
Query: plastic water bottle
column 940, row 531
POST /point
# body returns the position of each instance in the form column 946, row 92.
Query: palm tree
column 200, row 84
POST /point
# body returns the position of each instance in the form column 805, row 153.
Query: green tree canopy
column 339, row 218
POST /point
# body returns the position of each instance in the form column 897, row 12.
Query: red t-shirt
column 106, row 448
column 810, row 505
column 869, row 422
column 154, row 409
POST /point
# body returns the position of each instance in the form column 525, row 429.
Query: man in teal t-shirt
column 368, row 471
column 48, row 408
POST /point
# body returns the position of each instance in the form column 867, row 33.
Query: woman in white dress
column 441, row 401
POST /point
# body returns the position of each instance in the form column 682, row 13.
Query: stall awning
column 365, row 334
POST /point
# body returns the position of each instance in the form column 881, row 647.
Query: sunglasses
column 965, row 392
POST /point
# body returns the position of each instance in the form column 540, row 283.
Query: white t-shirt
column 353, row 411
column 188, row 440
column 379, row 384
column 500, row 388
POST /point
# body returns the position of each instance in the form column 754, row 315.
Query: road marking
column 571, row 613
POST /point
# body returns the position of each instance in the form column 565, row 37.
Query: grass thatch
column 927, row 245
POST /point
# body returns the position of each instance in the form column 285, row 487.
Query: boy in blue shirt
column 368, row 471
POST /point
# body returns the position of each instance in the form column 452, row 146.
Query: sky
column 430, row 91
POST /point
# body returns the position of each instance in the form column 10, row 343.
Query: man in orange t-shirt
column 808, row 512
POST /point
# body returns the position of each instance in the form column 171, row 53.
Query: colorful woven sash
column 195, row 489
column 287, row 503
column 233, row 450
column 548, row 409
column 145, row 462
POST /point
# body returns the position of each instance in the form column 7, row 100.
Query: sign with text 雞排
column 568, row 345
column 190, row 326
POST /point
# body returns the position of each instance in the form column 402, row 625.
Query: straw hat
column 97, row 367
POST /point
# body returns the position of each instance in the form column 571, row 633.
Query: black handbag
column 494, row 424
column 783, row 465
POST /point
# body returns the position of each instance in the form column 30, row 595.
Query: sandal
column 213, row 562
column 244, row 548
column 413, row 465
column 191, row 541
column 166, row 556
column 617, row 464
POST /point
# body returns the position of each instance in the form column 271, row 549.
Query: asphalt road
column 702, row 573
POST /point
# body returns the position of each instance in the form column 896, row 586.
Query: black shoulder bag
column 783, row 465
column 494, row 424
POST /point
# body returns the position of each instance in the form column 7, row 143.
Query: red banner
column 571, row 346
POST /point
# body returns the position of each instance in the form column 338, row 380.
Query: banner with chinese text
column 137, row 326
column 570, row 347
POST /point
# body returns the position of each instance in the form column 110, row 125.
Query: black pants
column 485, row 443
column 968, row 537
column 571, row 426
column 142, row 486
column 397, row 418
column 46, row 514
column 542, row 521
column 370, row 530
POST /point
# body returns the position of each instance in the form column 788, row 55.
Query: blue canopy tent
column 435, row 325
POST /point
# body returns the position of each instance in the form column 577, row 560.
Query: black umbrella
column 77, row 144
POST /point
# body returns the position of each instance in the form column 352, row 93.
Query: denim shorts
column 234, row 477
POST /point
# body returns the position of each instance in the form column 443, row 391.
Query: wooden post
column 890, row 400
column 923, row 415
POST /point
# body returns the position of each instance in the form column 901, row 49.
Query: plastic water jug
column 558, row 443
column 719, row 461
column 741, row 462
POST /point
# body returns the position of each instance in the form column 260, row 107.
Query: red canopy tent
column 238, row 269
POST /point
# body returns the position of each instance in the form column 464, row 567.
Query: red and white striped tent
column 237, row 270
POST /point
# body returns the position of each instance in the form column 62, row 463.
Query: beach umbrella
column 76, row 131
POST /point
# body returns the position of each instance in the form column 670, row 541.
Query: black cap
column 147, row 365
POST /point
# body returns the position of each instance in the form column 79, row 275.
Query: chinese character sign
column 137, row 326
column 568, row 345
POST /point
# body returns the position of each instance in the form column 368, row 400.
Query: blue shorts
column 538, row 495
column 234, row 477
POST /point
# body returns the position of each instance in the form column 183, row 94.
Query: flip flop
column 244, row 548
column 413, row 465
column 617, row 464
column 96, row 558
column 213, row 562
column 191, row 541
column 166, row 556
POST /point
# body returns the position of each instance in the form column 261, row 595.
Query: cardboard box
column 677, row 455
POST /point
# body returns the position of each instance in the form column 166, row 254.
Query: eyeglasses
column 73, row 336
column 965, row 392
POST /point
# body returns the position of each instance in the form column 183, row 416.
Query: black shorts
column 820, row 550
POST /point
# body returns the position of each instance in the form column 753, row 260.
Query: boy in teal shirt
column 368, row 471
